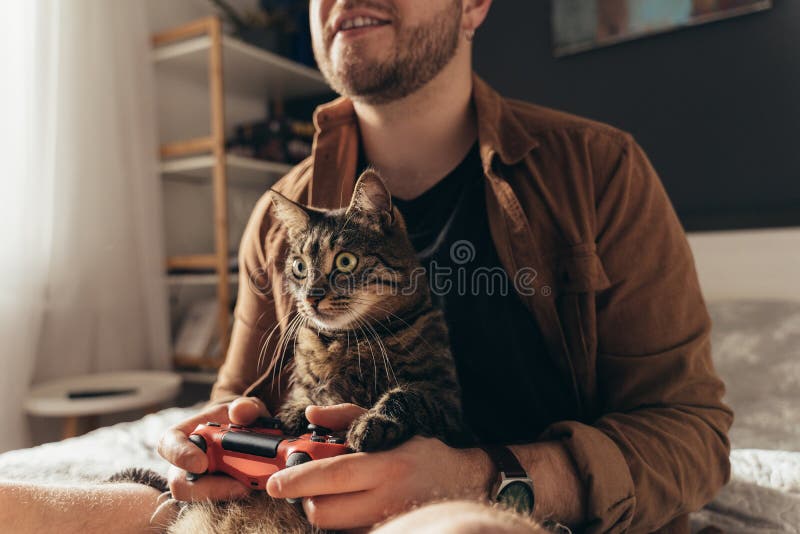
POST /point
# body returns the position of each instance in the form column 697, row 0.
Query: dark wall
column 716, row 107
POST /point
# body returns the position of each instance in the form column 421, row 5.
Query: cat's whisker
column 387, row 362
column 369, row 344
column 283, row 343
column 358, row 350
column 276, row 356
column 263, row 347
column 348, row 350
column 276, row 353
column 399, row 345
column 302, row 323
column 358, row 347
column 384, row 310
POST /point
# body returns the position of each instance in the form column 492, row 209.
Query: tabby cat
column 365, row 332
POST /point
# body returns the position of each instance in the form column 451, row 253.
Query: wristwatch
column 513, row 487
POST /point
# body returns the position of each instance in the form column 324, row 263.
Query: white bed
column 756, row 350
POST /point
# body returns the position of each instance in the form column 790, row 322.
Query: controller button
column 318, row 430
column 318, row 439
column 212, row 424
column 336, row 441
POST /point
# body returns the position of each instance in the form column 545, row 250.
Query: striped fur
column 374, row 339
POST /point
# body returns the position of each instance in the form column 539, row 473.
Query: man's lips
column 357, row 32
column 354, row 19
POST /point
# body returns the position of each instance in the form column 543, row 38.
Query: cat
column 365, row 332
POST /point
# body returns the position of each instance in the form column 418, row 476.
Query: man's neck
column 416, row 141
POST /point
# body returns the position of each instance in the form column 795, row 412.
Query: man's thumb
column 336, row 417
column 245, row 410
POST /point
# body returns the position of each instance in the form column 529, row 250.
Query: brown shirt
column 579, row 219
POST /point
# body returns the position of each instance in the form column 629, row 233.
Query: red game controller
column 251, row 454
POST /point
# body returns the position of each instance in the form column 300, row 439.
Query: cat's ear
column 371, row 197
column 291, row 214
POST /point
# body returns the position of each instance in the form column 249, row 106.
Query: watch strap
column 505, row 461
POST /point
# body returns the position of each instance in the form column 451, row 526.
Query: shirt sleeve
column 660, row 449
column 254, row 315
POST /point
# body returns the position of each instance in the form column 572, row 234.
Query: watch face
column 518, row 496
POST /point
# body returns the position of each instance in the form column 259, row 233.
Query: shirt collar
column 499, row 132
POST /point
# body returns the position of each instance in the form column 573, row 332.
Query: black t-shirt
column 511, row 390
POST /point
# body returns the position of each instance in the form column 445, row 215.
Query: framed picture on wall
column 580, row 25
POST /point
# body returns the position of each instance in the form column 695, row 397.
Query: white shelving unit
column 249, row 70
column 199, row 279
column 199, row 55
column 242, row 171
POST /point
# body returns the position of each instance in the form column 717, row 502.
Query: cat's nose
column 314, row 300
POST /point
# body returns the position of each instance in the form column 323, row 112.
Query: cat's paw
column 374, row 432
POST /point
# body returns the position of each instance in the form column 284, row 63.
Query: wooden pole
column 219, row 186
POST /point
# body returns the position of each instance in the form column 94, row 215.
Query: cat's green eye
column 346, row 262
column 299, row 268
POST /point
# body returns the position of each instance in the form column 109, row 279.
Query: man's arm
column 660, row 449
column 256, row 332
column 254, row 317
column 361, row 489
column 99, row 508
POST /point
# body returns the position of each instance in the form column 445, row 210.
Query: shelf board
column 199, row 279
column 198, row 377
column 248, row 70
column 192, row 261
column 242, row 171
column 192, row 362
column 186, row 148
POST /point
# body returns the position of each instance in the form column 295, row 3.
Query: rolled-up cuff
column 601, row 467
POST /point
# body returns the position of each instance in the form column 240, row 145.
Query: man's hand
column 184, row 455
column 361, row 489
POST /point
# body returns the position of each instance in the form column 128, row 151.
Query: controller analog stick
column 318, row 433
column 199, row 441
column 296, row 458
column 201, row 444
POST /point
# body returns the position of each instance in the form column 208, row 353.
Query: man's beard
column 420, row 54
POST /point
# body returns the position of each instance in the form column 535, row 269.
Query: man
column 597, row 365
column 636, row 432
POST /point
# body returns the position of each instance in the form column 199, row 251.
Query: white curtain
column 81, row 283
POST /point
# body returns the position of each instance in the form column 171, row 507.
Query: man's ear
column 474, row 13
column 291, row 214
column 371, row 196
